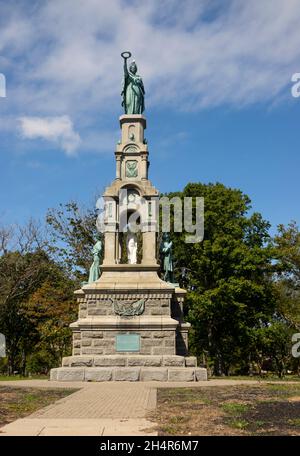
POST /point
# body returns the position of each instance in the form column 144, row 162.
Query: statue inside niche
column 132, row 248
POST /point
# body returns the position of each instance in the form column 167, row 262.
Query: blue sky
column 218, row 98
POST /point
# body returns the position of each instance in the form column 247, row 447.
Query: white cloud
column 56, row 129
column 63, row 56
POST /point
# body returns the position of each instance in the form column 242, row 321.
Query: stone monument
column 130, row 325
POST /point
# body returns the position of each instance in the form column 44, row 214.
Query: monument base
column 129, row 368
column 129, row 374
column 130, row 328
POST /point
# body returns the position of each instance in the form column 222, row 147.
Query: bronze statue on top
column 133, row 92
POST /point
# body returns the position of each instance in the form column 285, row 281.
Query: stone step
column 129, row 374
column 129, row 361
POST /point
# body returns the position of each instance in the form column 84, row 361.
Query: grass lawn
column 19, row 402
column 265, row 378
column 265, row 409
column 7, row 378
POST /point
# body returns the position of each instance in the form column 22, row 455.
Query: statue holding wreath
column 133, row 92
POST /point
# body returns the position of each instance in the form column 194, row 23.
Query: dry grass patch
column 19, row 402
column 265, row 409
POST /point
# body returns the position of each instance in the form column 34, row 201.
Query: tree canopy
column 243, row 285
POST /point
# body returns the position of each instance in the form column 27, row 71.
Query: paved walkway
column 108, row 408
column 96, row 409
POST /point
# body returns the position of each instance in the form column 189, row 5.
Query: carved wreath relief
column 129, row 308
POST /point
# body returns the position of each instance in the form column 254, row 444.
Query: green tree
column 51, row 309
column 274, row 344
column 287, row 282
column 229, row 277
column 73, row 233
column 287, row 244
column 20, row 275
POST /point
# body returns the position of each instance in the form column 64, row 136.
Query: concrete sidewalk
column 153, row 384
column 96, row 409
column 78, row 427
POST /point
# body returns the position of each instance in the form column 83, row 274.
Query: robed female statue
column 133, row 92
column 95, row 267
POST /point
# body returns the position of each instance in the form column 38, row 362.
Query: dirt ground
column 19, row 402
column 266, row 409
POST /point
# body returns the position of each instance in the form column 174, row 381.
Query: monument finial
column 133, row 92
